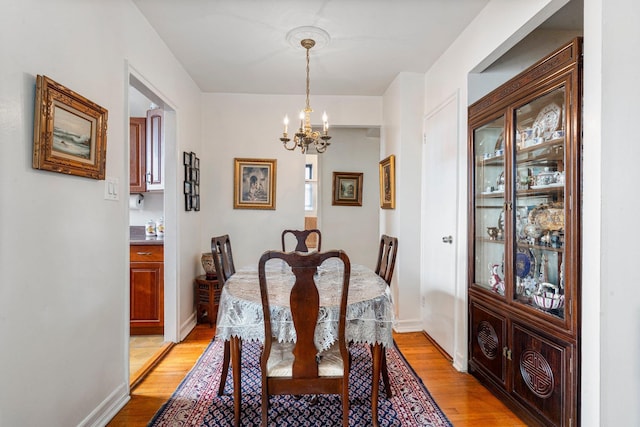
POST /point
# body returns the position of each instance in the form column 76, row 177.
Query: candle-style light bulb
column 301, row 119
column 286, row 123
column 325, row 122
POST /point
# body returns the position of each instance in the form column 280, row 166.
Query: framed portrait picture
column 254, row 184
column 347, row 189
column 70, row 132
column 388, row 183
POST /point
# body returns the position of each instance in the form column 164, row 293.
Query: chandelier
column 305, row 135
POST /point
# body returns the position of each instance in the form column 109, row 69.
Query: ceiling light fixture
column 305, row 135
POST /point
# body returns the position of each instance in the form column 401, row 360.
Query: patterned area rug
column 195, row 401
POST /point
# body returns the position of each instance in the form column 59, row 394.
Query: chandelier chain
column 308, row 80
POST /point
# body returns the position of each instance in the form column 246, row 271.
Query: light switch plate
column 111, row 190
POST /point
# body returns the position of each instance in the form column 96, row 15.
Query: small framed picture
column 347, row 189
column 191, row 181
column 70, row 132
column 388, row 183
column 255, row 184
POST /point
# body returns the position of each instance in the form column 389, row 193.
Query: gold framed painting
column 70, row 132
column 388, row 183
column 347, row 189
column 254, row 184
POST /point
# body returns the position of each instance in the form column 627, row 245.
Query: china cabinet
column 524, row 239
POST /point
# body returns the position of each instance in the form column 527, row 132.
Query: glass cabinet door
column 539, row 202
column 489, row 218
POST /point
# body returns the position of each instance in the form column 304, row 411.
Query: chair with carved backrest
column 301, row 239
column 298, row 368
column 384, row 268
column 223, row 261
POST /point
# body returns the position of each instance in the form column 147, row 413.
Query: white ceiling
column 240, row 46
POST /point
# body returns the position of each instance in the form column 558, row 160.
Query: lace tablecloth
column 369, row 312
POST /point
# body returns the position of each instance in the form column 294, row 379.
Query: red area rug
column 195, row 402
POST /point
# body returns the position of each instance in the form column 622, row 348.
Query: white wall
column 613, row 82
column 248, row 126
column 64, row 249
column 352, row 228
column 402, row 136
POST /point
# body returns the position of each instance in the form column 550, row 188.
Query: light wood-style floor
column 459, row 395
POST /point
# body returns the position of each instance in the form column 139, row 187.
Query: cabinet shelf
column 541, row 247
column 541, row 191
column 547, row 152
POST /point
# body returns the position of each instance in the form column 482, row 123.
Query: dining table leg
column 236, row 357
column 375, row 384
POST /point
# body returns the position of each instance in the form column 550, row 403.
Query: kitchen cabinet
column 524, row 239
column 146, row 274
column 146, row 157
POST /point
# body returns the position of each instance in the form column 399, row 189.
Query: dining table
column 369, row 318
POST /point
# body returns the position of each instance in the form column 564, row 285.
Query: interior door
column 439, row 210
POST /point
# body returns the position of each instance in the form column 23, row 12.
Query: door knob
column 447, row 239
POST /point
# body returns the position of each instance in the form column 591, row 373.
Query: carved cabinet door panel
column 539, row 382
column 488, row 340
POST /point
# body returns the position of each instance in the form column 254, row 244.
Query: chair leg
column 384, row 371
column 265, row 407
column 385, row 375
column 345, row 403
column 225, row 367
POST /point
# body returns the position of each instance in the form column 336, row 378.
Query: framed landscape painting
column 388, row 183
column 347, row 189
column 254, row 184
column 70, row 132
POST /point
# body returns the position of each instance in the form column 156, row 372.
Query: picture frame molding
column 240, row 186
column 340, row 199
column 388, row 182
column 51, row 96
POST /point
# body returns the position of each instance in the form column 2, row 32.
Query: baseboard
column 401, row 326
column 188, row 326
column 438, row 347
column 108, row 409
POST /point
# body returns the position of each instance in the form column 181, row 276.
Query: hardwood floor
column 459, row 395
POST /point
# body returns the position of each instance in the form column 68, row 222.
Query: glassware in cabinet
column 489, row 179
column 539, row 202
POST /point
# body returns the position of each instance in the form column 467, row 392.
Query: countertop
column 138, row 237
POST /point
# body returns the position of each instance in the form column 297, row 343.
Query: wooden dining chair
column 301, row 239
column 384, row 268
column 387, row 257
column 223, row 261
column 297, row 369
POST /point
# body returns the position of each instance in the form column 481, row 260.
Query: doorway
column 439, row 163
column 144, row 351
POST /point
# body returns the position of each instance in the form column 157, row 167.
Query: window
column 310, row 184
